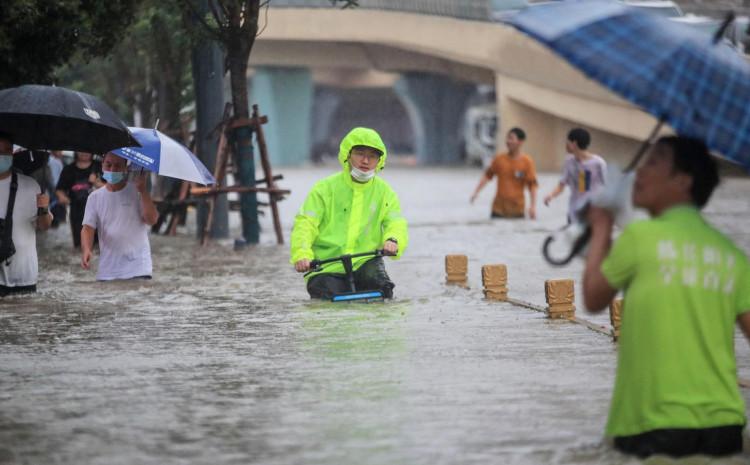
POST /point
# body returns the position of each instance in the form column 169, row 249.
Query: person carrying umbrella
column 20, row 195
column 350, row 212
column 686, row 285
column 121, row 213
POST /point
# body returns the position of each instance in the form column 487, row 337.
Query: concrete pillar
column 560, row 298
column 456, row 269
column 495, row 282
column 436, row 106
column 285, row 95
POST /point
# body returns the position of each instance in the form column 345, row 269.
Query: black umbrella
column 56, row 118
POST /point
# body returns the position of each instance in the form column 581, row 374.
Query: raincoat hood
column 361, row 136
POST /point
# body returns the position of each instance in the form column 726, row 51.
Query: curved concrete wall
column 536, row 89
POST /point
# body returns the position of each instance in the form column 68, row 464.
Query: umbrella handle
column 719, row 34
column 645, row 146
column 578, row 244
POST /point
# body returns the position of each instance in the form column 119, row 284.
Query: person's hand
column 532, row 212
column 302, row 265
column 42, row 201
column 473, row 197
column 547, row 200
column 86, row 259
column 599, row 218
column 140, row 182
column 390, row 247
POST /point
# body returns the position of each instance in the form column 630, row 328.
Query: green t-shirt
column 685, row 285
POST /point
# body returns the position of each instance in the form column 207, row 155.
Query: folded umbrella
column 699, row 86
column 165, row 156
column 56, row 118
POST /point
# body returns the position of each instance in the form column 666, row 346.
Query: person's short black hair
column 379, row 152
column 581, row 137
column 691, row 156
column 520, row 133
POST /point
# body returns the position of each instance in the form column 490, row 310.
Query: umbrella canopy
column 165, row 156
column 56, row 118
column 675, row 73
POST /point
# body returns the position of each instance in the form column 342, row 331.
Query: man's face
column 656, row 181
column 84, row 156
column 114, row 163
column 570, row 146
column 364, row 158
column 512, row 142
column 6, row 147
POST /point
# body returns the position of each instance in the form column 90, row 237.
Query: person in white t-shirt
column 122, row 213
column 19, row 272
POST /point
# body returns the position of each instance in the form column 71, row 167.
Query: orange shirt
column 513, row 173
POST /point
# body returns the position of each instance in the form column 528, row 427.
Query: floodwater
column 222, row 358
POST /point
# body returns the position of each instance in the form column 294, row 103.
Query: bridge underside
column 535, row 89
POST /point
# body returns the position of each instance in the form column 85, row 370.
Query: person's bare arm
column 482, row 182
column 555, row 192
column 43, row 221
column 149, row 213
column 744, row 321
column 532, row 208
column 62, row 197
column 87, row 245
column 597, row 293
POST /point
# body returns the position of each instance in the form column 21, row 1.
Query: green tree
column 234, row 25
column 37, row 36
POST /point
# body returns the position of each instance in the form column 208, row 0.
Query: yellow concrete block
column 456, row 268
column 559, row 291
column 494, row 276
column 615, row 317
column 560, row 311
column 493, row 294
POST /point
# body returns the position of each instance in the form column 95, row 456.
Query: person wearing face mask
column 73, row 187
column 352, row 211
column 21, row 195
column 121, row 213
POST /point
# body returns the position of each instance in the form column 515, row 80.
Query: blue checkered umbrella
column 677, row 74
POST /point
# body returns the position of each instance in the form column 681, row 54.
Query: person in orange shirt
column 514, row 170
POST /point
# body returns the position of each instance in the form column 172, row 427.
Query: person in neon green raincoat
column 350, row 212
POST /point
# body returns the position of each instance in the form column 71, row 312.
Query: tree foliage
column 37, row 36
column 146, row 76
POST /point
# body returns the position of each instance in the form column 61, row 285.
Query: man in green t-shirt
column 685, row 287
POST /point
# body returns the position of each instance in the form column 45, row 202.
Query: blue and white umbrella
column 165, row 156
column 701, row 87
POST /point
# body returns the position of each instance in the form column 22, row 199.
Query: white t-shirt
column 24, row 267
column 123, row 236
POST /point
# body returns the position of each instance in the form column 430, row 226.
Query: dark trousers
column 369, row 277
column 9, row 290
column 718, row 441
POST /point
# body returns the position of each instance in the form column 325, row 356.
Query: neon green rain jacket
column 341, row 216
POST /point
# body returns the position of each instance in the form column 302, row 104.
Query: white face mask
column 362, row 176
column 6, row 162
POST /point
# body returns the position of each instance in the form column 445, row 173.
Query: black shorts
column 369, row 277
column 717, row 441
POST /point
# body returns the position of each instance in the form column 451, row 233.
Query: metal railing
column 464, row 9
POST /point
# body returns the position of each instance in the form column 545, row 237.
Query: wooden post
column 495, row 282
column 560, row 297
column 266, row 164
column 615, row 317
column 456, row 268
column 220, row 170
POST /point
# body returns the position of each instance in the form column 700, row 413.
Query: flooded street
column 223, row 359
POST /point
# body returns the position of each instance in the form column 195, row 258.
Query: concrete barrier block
column 495, row 282
column 456, row 269
column 560, row 297
column 615, row 317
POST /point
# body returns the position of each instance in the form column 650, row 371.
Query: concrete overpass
column 436, row 56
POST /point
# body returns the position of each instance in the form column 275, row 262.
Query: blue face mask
column 6, row 162
column 113, row 177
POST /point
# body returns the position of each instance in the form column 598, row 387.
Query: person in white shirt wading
column 122, row 213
